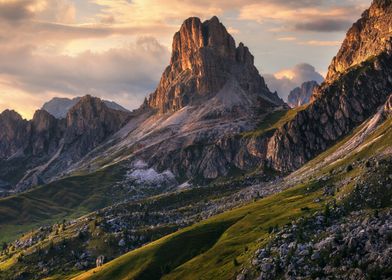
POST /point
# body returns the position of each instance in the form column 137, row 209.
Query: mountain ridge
column 48, row 144
column 356, row 47
column 59, row 106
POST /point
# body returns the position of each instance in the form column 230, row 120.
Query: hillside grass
column 273, row 121
column 209, row 248
column 64, row 199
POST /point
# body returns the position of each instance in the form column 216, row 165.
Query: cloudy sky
column 117, row 49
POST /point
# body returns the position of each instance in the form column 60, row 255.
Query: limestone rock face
column 13, row 133
column 359, row 81
column 301, row 95
column 368, row 37
column 340, row 107
column 46, row 133
column 204, row 59
column 388, row 107
column 90, row 122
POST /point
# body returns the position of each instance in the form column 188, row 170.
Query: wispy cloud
column 287, row 39
column 321, row 43
column 303, row 15
column 118, row 49
column 286, row 80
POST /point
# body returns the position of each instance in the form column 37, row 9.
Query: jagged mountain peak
column 205, row 59
column 194, row 35
column 42, row 120
column 381, row 5
column 301, row 95
column 368, row 37
column 12, row 133
column 93, row 119
column 11, row 114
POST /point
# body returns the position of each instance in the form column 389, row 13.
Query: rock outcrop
column 359, row 81
column 388, row 107
column 46, row 133
column 368, row 37
column 301, row 95
column 204, row 59
column 13, row 133
column 90, row 122
column 340, row 107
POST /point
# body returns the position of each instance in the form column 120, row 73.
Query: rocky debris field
column 350, row 239
column 358, row 246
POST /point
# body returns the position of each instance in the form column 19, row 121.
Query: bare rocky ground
column 350, row 239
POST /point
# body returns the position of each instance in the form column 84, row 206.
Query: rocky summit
column 358, row 82
column 204, row 61
column 301, row 95
column 368, row 37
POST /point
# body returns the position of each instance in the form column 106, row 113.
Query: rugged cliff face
column 340, row 107
column 13, row 133
column 90, row 122
column 358, row 82
column 204, row 59
column 301, row 95
column 368, row 37
column 209, row 94
column 46, row 133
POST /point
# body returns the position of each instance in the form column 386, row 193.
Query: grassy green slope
column 66, row 198
column 74, row 196
column 250, row 228
column 273, row 121
column 214, row 243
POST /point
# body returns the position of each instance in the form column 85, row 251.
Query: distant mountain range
column 59, row 107
column 301, row 95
